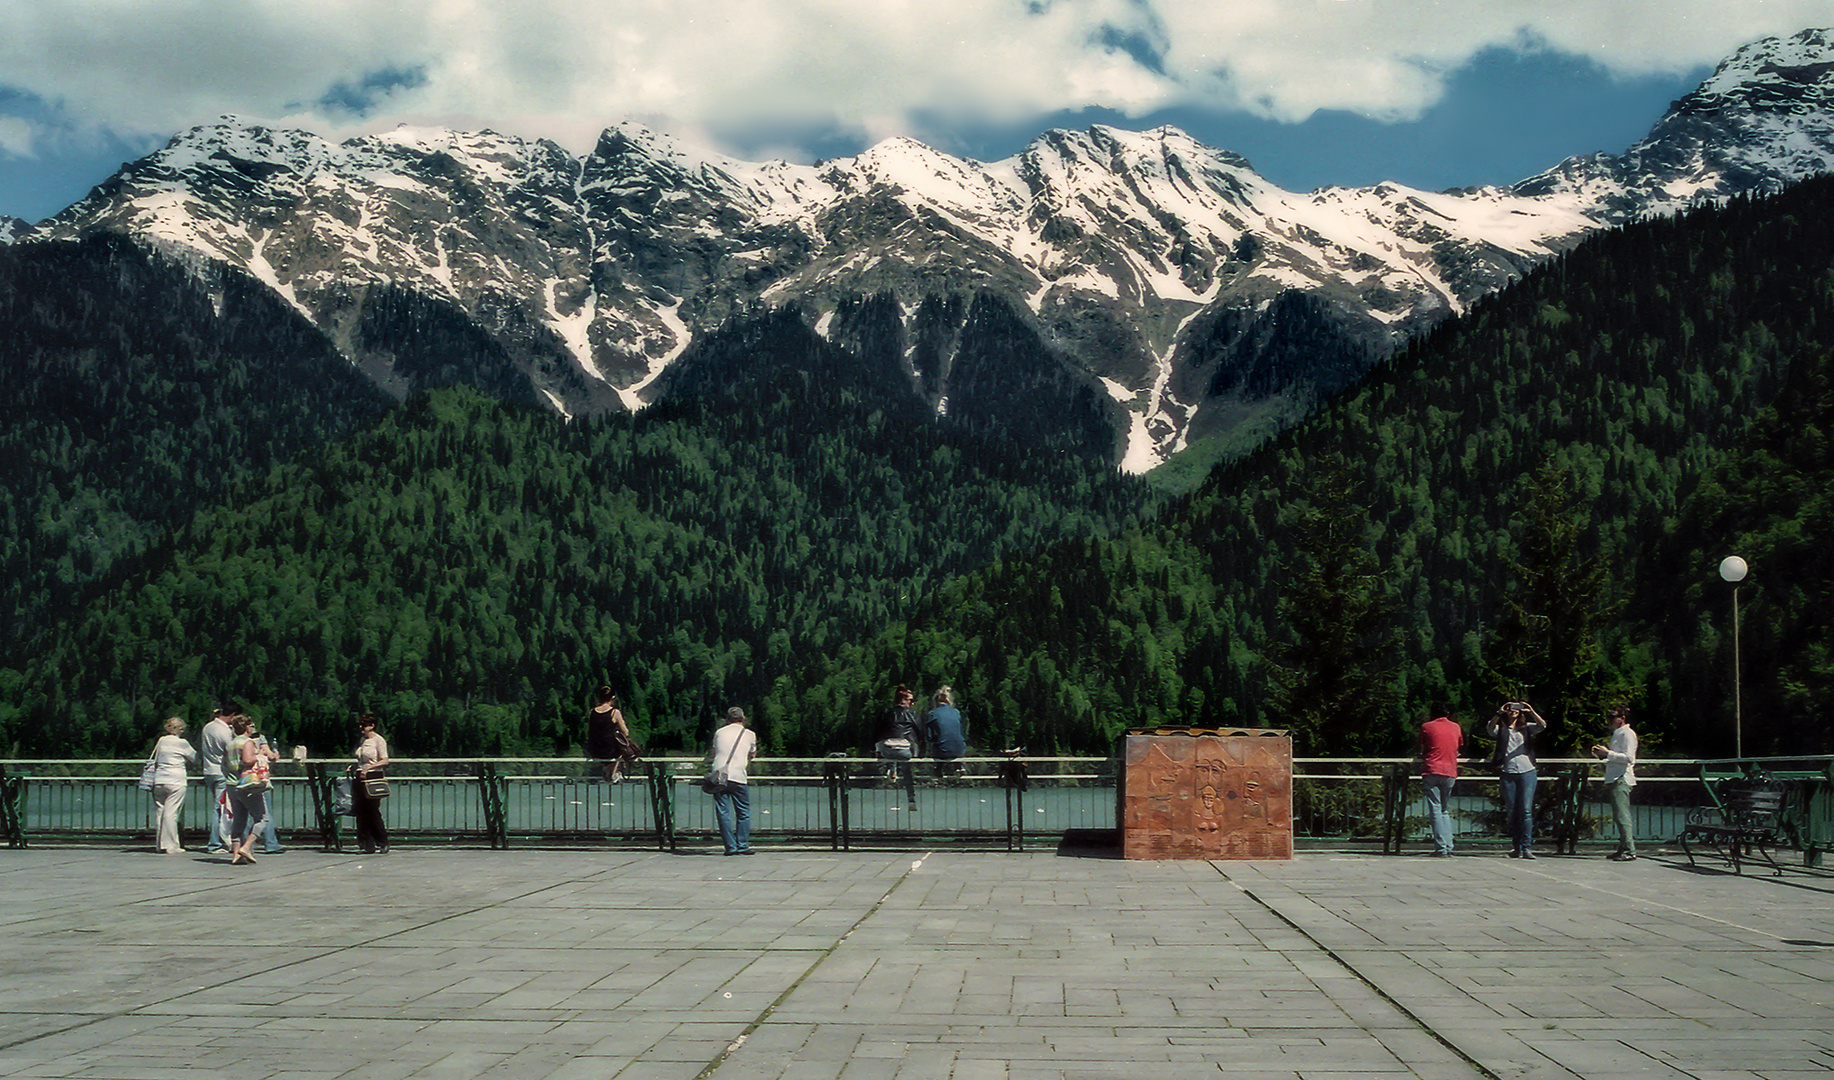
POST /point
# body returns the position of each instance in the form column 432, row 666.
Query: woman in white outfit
column 172, row 759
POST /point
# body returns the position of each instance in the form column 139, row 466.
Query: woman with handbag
column 172, row 758
column 608, row 737
column 245, row 764
column 369, row 786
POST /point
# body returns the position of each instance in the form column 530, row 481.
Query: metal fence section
column 1570, row 804
column 839, row 802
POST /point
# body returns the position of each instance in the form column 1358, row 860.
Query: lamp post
column 1733, row 569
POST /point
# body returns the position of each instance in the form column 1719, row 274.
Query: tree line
column 1527, row 501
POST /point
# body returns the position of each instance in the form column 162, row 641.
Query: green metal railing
column 845, row 802
column 1806, row 814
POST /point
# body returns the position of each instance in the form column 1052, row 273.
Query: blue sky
column 1313, row 92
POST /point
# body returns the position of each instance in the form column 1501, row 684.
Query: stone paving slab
column 944, row 965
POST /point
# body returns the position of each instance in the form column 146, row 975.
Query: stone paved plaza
column 908, row 965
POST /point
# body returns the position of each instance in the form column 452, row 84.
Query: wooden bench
column 1748, row 820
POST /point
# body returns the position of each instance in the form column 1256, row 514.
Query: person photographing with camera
column 1513, row 726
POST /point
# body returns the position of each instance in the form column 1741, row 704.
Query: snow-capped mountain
column 1763, row 119
column 1166, row 273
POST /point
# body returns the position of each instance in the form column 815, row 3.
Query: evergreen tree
column 1333, row 679
column 1559, row 603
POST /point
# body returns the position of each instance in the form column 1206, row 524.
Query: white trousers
column 168, row 800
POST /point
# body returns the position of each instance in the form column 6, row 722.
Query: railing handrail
column 344, row 759
column 1091, row 783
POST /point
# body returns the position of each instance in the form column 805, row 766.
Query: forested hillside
column 1516, row 486
column 132, row 388
column 470, row 570
column 1530, row 501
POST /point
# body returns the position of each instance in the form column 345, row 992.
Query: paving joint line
column 724, row 1055
column 1393, row 1003
column 145, row 1005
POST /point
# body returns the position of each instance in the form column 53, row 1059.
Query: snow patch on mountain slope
column 670, row 317
column 1112, row 240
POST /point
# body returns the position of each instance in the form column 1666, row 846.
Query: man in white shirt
column 1620, row 776
column 213, row 743
column 734, row 745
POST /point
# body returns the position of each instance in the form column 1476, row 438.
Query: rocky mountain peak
column 1795, row 72
column 1163, row 276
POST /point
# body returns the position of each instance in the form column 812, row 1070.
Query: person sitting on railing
column 608, row 737
column 947, row 732
column 901, row 739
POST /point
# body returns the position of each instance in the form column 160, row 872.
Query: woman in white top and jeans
column 1512, row 727
column 172, row 759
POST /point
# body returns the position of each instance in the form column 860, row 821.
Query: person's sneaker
column 1528, row 854
column 1515, row 854
column 1623, row 856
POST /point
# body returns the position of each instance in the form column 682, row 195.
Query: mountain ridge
column 1122, row 251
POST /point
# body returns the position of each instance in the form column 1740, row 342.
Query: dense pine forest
column 470, row 568
column 1529, row 501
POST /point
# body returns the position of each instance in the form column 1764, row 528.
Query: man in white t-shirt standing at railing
column 734, row 745
column 213, row 743
column 1620, row 776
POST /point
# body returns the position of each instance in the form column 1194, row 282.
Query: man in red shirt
column 1441, row 741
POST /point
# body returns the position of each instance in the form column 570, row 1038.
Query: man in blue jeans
column 734, row 746
column 1441, row 741
column 213, row 742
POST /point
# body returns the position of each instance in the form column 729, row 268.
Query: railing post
column 323, row 788
column 1394, row 808
column 496, row 814
column 662, row 805
column 12, row 808
column 1571, row 811
column 1015, row 779
column 1817, row 816
column 834, row 773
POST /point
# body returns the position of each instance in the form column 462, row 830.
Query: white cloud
column 566, row 68
column 18, row 136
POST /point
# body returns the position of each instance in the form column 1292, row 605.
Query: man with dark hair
column 1620, row 757
column 900, row 740
column 1441, row 741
